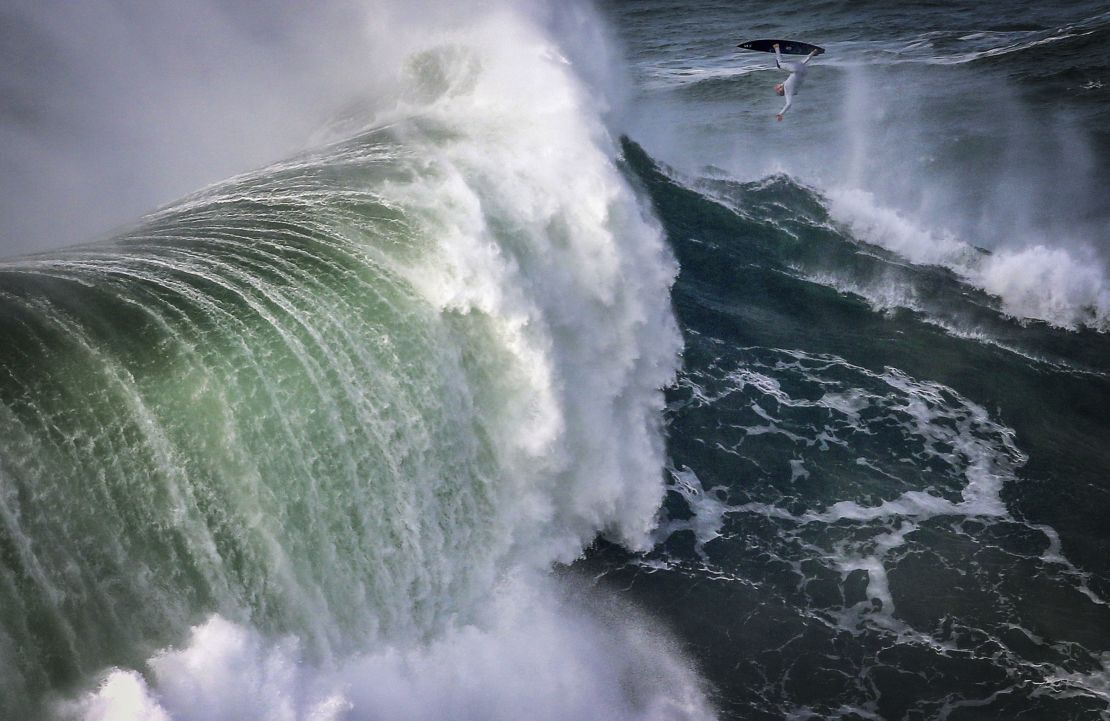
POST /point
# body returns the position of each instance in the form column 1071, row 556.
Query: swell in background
column 932, row 132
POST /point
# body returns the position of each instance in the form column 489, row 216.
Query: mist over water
column 114, row 109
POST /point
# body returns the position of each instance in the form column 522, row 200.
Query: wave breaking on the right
column 1065, row 287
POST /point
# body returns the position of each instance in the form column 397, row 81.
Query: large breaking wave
column 319, row 432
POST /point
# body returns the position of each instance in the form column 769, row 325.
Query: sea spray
column 542, row 653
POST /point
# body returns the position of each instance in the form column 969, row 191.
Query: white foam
column 539, row 235
column 1096, row 682
column 542, row 656
column 1067, row 287
column 1050, row 284
column 952, row 428
column 871, row 222
column 883, row 296
column 706, row 506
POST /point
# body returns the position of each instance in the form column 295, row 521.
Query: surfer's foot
column 779, row 117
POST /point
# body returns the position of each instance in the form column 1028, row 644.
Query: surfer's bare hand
column 775, row 46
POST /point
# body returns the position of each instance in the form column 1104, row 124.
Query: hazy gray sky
column 113, row 107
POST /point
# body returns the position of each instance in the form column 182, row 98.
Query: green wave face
column 243, row 406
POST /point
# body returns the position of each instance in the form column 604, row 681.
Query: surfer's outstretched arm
column 812, row 54
column 789, row 102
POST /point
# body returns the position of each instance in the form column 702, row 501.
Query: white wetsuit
column 797, row 77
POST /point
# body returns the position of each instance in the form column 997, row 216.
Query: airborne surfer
column 794, row 82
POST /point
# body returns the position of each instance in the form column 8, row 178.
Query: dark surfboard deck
column 786, row 47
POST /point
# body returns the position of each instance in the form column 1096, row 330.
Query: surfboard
column 786, row 47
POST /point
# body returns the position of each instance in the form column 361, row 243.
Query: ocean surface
column 556, row 379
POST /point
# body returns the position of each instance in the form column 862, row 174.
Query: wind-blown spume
column 339, row 401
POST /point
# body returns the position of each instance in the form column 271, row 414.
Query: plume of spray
column 112, row 109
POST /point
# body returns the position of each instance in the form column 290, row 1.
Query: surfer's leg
column 783, row 65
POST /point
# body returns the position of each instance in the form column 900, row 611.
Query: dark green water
column 912, row 521
column 888, row 443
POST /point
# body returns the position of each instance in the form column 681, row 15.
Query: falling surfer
column 791, row 85
column 797, row 70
